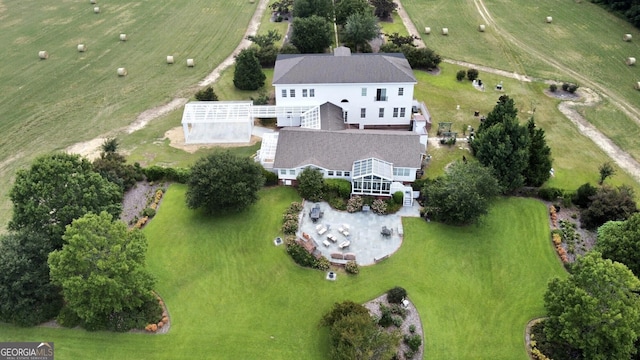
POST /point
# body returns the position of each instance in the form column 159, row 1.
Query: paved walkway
column 366, row 241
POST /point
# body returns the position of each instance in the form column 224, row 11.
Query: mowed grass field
column 583, row 44
column 49, row 104
column 232, row 294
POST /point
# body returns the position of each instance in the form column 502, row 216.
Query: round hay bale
column 43, row 55
column 627, row 37
column 123, row 37
column 481, row 28
column 549, row 19
column 637, row 85
column 191, row 63
column 445, row 31
column 631, row 61
column 122, row 72
column 427, row 30
column 82, row 47
column 96, row 10
column 93, row 1
column 169, row 59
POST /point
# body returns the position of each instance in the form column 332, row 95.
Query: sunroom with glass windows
column 372, row 177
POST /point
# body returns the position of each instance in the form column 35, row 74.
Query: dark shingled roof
column 337, row 150
column 351, row 69
column 331, row 117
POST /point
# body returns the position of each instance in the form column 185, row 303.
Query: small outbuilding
column 217, row 122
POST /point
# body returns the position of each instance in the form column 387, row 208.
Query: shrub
column 472, row 74
column 565, row 86
column 397, row 309
column 341, row 187
column 553, row 87
column 460, row 75
column 386, row 319
column 290, row 226
column 68, row 318
column 337, row 203
column 206, row 95
column 352, row 267
column 412, row 328
column 156, row 173
column 550, row 193
column 379, row 207
column 149, row 212
column 414, row 341
column 322, row 263
column 582, row 196
column 270, row 178
column 396, row 295
column 392, row 206
column 397, row 320
column 355, row 204
column 572, row 88
column 300, row 255
column 398, row 197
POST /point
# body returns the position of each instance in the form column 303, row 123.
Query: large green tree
column 310, row 184
column 248, row 74
column 57, row 189
column 222, row 181
column 596, row 309
column 27, row 297
column 356, row 336
column 311, row 35
column 462, row 195
column 345, row 8
column 538, row 169
column 504, row 108
column 359, row 29
column 101, row 268
column 308, row 8
column 383, row 8
column 620, row 241
column 609, row 204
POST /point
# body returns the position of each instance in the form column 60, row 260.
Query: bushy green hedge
column 341, row 187
column 156, row 173
column 395, row 295
column 270, row 178
column 550, row 193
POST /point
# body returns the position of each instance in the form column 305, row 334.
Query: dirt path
column 568, row 108
column 91, row 148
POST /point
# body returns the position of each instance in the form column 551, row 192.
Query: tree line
column 628, row 9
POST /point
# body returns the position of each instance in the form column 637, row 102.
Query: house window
column 347, row 173
column 400, row 91
column 338, row 173
column 304, row 92
column 363, row 112
column 401, row 171
column 395, row 112
column 381, row 112
column 364, row 91
column 312, row 92
column 292, row 93
column 283, row 171
column 402, row 112
column 330, row 172
column 284, row 92
column 381, row 95
column 292, row 171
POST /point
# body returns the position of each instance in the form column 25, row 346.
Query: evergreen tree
column 248, row 74
column 538, row 170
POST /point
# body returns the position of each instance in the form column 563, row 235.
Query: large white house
column 349, row 116
column 373, row 90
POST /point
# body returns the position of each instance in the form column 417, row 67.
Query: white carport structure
column 210, row 122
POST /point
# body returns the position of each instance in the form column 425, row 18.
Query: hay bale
column 627, row 37
column 549, row 19
column 122, row 72
column 93, row 1
column 427, row 30
column 191, row 63
column 481, row 28
column 82, row 47
column 43, row 55
column 169, row 59
column 631, row 61
column 123, row 37
column 445, row 31
column 637, row 85
column 96, row 10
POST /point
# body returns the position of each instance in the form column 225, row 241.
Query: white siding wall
column 335, row 93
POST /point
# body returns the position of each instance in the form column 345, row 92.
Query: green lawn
column 233, row 295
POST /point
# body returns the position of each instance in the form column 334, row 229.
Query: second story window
column 381, row 95
column 304, row 92
column 312, row 92
column 292, row 93
column 364, row 91
column 400, row 91
column 284, row 92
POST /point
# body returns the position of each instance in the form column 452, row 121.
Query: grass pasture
column 72, row 96
column 233, row 295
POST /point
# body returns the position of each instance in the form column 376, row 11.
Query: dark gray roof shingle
column 330, row 69
column 337, row 150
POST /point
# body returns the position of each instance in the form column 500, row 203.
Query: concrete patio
column 363, row 232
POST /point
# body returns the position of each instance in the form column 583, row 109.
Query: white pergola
column 210, row 122
column 267, row 152
column 371, row 177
